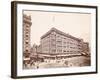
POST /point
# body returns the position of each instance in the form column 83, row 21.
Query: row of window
column 60, row 50
column 64, row 51
column 61, row 37
column 59, row 41
column 26, row 37
column 59, row 46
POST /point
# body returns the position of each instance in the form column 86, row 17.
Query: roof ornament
column 53, row 20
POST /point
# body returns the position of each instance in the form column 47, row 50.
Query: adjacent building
column 26, row 36
column 86, row 49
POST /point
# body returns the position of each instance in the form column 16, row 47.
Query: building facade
column 58, row 42
column 86, row 49
column 26, row 37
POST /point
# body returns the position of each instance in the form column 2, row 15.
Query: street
column 77, row 61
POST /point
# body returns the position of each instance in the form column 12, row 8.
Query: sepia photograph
column 62, row 41
column 53, row 39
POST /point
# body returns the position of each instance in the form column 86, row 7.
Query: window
column 26, row 50
column 64, row 42
column 70, row 47
column 53, row 50
column 58, row 36
column 67, row 42
column 79, row 45
column 54, row 45
column 64, row 46
column 26, row 35
column 26, row 42
column 52, row 39
column 59, row 46
column 59, row 41
column 78, row 51
column 70, row 51
column 59, row 50
column 79, row 48
column 64, row 38
column 64, row 50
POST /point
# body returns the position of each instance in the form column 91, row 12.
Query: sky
column 75, row 24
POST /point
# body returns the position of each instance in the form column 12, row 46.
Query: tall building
column 26, row 36
column 58, row 42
